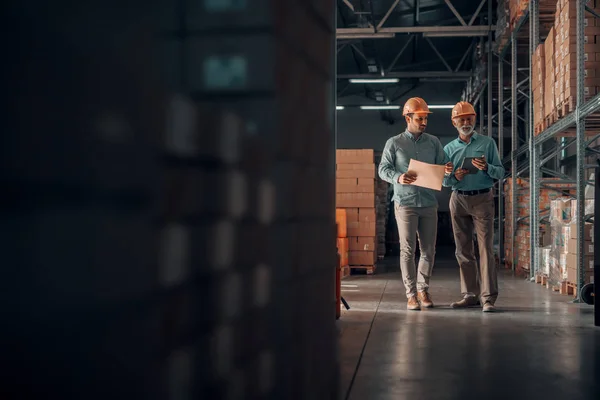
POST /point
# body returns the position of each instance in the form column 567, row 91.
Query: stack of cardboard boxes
column 538, row 75
column 558, row 57
column 565, row 29
column 522, row 256
column 356, row 184
column 563, row 260
column 342, row 241
column 549, row 78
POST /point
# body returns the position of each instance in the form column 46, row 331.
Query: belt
column 473, row 192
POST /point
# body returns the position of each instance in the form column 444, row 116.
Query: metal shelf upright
column 534, row 167
column 516, row 151
column 577, row 118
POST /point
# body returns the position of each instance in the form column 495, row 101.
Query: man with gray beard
column 472, row 208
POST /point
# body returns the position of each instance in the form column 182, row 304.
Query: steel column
column 481, row 111
column 514, row 145
column 596, row 244
column 490, row 61
column 501, row 152
column 580, row 122
column 534, row 150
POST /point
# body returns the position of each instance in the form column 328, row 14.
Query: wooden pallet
column 539, row 128
column 568, row 288
column 541, row 279
column 566, row 107
column 565, row 288
column 362, row 269
column 592, row 122
column 551, row 118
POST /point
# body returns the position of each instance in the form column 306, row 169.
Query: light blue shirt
column 457, row 150
column 398, row 152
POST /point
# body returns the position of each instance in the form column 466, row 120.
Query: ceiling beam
column 446, row 30
column 461, row 75
column 451, row 6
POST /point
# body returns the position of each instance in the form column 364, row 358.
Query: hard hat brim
column 417, row 112
column 463, row 114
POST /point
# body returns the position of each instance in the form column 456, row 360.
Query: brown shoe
column 413, row 303
column 425, row 299
column 465, row 302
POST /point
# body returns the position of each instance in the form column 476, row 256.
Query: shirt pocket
column 403, row 157
column 478, row 151
column 427, row 152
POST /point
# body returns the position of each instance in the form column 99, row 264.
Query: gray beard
column 466, row 134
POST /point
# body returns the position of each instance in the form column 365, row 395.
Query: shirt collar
column 411, row 136
column 473, row 137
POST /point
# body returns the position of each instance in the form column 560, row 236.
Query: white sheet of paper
column 429, row 176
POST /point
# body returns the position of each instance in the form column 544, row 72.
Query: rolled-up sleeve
column 387, row 166
column 449, row 180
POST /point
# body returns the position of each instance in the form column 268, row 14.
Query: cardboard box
column 365, row 156
column 342, row 222
column 362, row 229
column 362, row 243
column 352, row 214
column 367, row 215
column 362, row 257
column 588, row 247
column 588, row 261
column 572, row 274
column 355, row 200
column 588, row 232
column 355, row 185
column 343, row 248
column 355, row 171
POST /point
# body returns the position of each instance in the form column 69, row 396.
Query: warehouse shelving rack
column 533, row 151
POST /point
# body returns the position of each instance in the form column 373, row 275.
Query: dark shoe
column 465, row 302
column 425, row 299
column 488, row 307
column 413, row 303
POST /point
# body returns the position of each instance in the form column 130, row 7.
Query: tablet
column 468, row 165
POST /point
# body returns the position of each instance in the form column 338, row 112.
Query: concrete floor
column 538, row 346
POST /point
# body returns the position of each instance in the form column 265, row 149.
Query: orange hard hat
column 463, row 108
column 415, row 105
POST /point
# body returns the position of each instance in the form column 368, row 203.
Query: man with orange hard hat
column 472, row 208
column 415, row 207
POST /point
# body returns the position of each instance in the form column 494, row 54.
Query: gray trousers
column 416, row 223
column 475, row 214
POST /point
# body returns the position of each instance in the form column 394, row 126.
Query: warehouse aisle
column 539, row 346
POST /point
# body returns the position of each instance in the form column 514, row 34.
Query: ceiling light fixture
column 379, row 107
column 375, row 80
column 339, row 107
column 442, row 106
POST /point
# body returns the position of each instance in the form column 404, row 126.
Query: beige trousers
column 475, row 214
column 416, row 223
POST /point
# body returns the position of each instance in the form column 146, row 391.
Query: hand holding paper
column 429, row 176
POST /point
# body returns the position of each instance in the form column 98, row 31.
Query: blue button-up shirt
column 457, row 150
column 398, row 152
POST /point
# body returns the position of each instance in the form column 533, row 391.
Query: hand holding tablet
column 474, row 164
